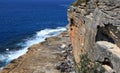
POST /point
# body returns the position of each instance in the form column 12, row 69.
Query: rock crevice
column 92, row 23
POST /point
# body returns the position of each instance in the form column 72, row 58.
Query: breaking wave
column 40, row 36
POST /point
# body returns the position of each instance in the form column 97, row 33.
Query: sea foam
column 40, row 36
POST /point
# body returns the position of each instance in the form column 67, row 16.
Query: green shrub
column 87, row 66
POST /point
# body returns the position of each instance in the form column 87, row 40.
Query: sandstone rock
column 106, row 50
column 98, row 21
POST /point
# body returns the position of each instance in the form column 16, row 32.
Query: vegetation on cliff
column 94, row 28
column 87, row 66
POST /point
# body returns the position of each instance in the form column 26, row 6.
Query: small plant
column 87, row 66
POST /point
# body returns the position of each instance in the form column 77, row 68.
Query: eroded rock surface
column 94, row 27
column 108, row 54
column 41, row 58
column 94, row 21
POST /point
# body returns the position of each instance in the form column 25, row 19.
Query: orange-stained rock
column 96, row 21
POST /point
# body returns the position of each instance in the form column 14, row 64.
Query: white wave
column 38, row 37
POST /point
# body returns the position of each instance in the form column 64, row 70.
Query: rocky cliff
column 94, row 31
column 94, row 28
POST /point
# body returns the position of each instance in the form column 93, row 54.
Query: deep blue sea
column 27, row 22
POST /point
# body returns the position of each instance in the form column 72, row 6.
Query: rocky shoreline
column 50, row 56
column 94, row 32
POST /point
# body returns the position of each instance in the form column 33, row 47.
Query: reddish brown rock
column 95, row 21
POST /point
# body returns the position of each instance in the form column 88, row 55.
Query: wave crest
column 40, row 36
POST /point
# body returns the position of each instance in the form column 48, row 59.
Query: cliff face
column 94, row 27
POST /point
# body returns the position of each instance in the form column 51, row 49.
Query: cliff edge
column 94, row 32
column 94, row 28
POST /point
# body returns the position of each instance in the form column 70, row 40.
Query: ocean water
column 27, row 22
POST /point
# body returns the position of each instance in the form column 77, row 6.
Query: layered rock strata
column 94, row 28
column 92, row 22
